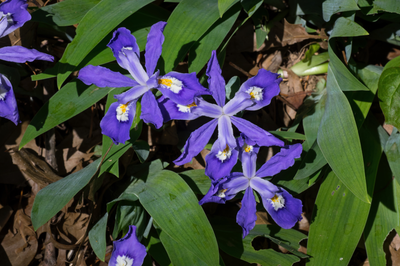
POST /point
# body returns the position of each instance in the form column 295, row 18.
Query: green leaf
column 391, row 6
column 314, row 67
column 288, row 135
column 74, row 98
column 174, row 207
column 69, row 12
column 330, row 7
column 232, row 87
column 389, row 93
column 224, row 5
column 141, row 149
column 197, row 181
column 384, row 215
column 345, row 27
column 229, row 236
column 392, row 151
column 339, row 141
column 312, row 162
column 157, row 251
column 187, row 23
column 310, row 52
column 395, row 62
column 129, row 213
column 97, row 237
column 51, row 199
column 339, row 218
column 200, row 52
column 95, row 25
column 251, row 6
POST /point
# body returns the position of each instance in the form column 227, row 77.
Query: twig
column 241, row 70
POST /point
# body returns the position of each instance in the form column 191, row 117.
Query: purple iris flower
column 283, row 208
column 13, row 14
column 128, row 251
column 254, row 94
column 180, row 88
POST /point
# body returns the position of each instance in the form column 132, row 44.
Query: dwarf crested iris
column 254, row 94
column 180, row 88
column 13, row 14
column 128, row 251
column 283, row 208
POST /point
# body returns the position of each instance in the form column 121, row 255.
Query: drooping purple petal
column 212, row 194
column 171, row 110
column 216, row 82
column 8, row 103
column 128, row 250
column 240, row 102
column 19, row 54
column 151, row 113
column 287, row 216
column 118, row 130
column 196, row 142
column 103, row 77
column 181, row 88
column 126, row 51
column 122, row 37
column 155, row 39
column 131, row 94
column 220, row 163
column 18, row 15
column 261, row 88
column 246, row 216
column 225, row 133
column 265, row 188
column 207, row 109
column 280, row 161
column 253, row 132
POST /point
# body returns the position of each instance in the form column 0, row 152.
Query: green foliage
column 61, row 192
column 389, row 93
column 97, row 237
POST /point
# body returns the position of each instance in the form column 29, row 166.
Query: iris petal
column 19, row 54
column 246, row 216
column 19, row 15
column 155, row 39
column 8, row 103
column 216, row 82
column 103, row 77
column 151, row 113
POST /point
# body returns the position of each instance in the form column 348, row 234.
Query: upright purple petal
column 181, row 88
column 216, row 82
column 284, row 209
column 253, row 132
column 246, row 216
column 18, row 15
column 196, row 142
column 8, row 103
column 103, row 77
column 249, row 159
column 116, row 125
column 155, row 39
column 126, row 51
column 151, row 113
column 128, row 250
column 171, row 110
column 219, row 163
column 19, row 54
column 261, row 88
column 240, row 102
column 280, row 161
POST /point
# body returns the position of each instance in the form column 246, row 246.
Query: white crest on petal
column 255, row 93
column 247, row 148
column 278, row 202
column 124, row 261
column 225, row 154
column 221, row 193
column 122, row 112
column 3, row 93
column 174, row 84
column 183, row 108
